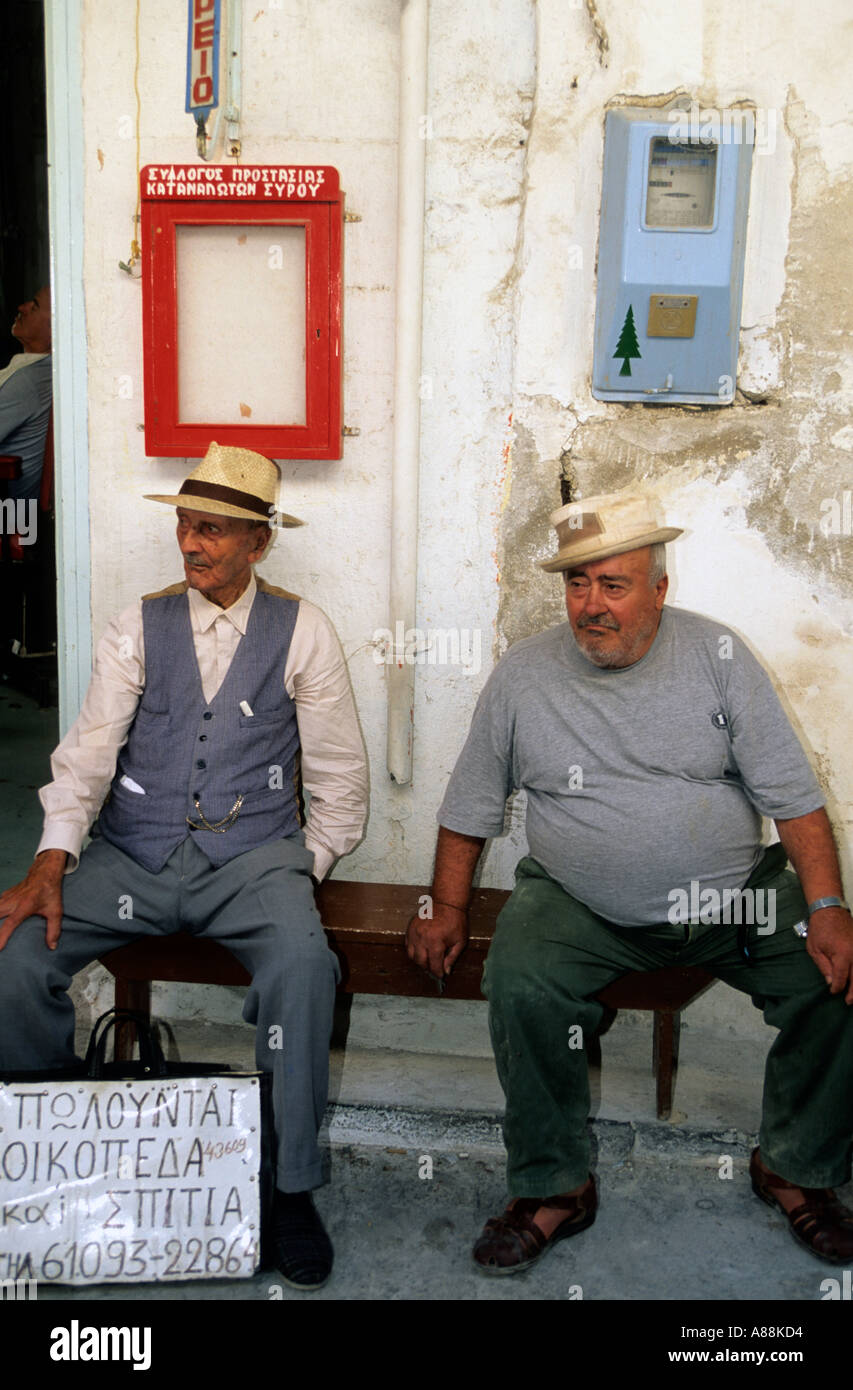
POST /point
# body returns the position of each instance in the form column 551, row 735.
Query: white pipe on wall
column 411, row 163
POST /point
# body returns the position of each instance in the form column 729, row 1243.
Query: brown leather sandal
column 513, row 1242
column 822, row 1224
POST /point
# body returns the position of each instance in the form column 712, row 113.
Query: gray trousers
column 260, row 905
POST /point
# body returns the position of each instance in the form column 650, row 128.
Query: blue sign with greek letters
column 203, row 23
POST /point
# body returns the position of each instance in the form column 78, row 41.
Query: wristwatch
column 802, row 928
column 824, row 902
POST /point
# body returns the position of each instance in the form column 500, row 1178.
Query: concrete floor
column 415, row 1079
column 668, row 1228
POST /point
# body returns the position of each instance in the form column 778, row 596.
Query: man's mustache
column 604, row 620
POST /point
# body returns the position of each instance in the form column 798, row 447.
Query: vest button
column 207, row 715
column 196, row 796
column 201, row 763
column 202, row 738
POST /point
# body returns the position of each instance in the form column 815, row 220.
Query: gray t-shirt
column 639, row 780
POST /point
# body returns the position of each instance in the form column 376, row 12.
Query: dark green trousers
column 551, row 955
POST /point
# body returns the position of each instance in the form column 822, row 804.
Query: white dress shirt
column 334, row 765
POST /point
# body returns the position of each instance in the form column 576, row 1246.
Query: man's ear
column 261, row 537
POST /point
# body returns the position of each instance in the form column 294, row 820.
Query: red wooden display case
column 180, row 195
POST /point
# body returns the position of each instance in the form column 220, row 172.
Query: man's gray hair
column 657, row 563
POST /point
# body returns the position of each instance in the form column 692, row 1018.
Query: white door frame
column 64, row 72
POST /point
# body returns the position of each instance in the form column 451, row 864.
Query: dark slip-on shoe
column 303, row 1251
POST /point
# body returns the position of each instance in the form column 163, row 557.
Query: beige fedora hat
column 595, row 527
column 232, row 482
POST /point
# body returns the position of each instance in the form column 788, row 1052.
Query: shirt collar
column 204, row 613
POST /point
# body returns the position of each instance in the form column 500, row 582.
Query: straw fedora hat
column 599, row 526
column 232, row 482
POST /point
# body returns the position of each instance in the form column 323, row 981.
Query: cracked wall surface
column 757, row 485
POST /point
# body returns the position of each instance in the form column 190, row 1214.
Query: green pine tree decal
column 628, row 346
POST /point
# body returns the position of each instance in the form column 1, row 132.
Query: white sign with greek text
column 125, row 1182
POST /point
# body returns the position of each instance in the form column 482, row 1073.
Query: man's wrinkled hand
column 435, row 943
column 830, row 945
column 37, row 895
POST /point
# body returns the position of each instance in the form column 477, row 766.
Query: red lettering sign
column 203, row 34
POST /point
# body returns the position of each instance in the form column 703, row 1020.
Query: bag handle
column 151, row 1056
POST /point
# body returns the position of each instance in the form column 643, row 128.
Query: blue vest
column 180, row 749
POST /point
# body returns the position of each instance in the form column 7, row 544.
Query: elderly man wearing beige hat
column 650, row 744
column 209, row 701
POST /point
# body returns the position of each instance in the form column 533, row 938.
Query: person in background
column 26, row 394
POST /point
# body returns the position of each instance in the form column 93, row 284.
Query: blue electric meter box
column 670, row 258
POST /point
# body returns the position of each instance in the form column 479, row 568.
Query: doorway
column 28, row 625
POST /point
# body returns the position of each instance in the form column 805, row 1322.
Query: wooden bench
column 366, row 924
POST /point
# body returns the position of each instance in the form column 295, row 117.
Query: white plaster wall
column 517, row 93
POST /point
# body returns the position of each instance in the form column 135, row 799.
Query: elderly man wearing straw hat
column 206, row 698
column 650, row 744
